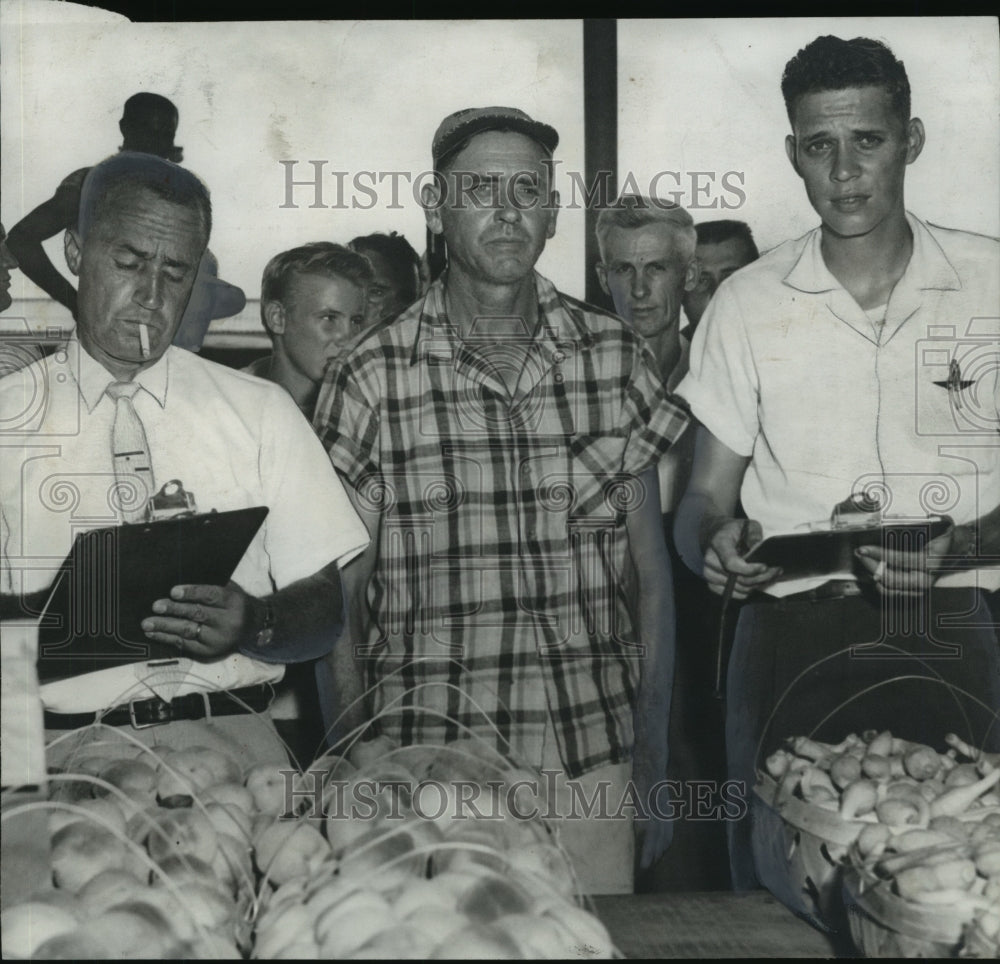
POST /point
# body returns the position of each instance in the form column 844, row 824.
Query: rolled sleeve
column 651, row 418
column 311, row 521
column 348, row 425
column 721, row 383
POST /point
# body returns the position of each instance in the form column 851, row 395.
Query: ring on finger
column 197, row 631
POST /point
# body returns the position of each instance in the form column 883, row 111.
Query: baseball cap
column 456, row 128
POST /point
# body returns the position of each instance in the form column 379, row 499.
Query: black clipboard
column 107, row 584
column 830, row 552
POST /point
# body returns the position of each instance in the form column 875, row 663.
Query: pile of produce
column 420, row 876
column 879, row 778
column 150, row 857
column 179, row 854
column 926, row 829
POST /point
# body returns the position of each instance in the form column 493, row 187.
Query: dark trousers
column 835, row 666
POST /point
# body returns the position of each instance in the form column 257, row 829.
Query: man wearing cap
column 94, row 430
column 500, row 439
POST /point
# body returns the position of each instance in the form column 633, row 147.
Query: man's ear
column 915, row 137
column 602, row 277
column 274, row 317
column 73, row 250
column 550, row 230
column 431, row 198
column 790, row 151
column 691, row 274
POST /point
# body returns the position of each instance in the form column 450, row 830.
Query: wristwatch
column 970, row 551
column 266, row 632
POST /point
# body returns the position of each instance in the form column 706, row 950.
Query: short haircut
column 829, row 63
column 317, row 257
column 716, row 232
column 632, row 211
column 127, row 173
column 399, row 255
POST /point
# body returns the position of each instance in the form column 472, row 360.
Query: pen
column 721, row 655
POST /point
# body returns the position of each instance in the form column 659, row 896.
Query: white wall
column 695, row 95
column 705, row 95
column 361, row 96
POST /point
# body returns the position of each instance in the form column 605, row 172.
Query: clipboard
column 112, row 576
column 830, row 552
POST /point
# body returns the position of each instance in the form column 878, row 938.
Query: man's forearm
column 35, row 264
column 656, row 679
column 976, row 545
column 345, row 706
column 698, row 517
column 27, row 606
column 305, row 616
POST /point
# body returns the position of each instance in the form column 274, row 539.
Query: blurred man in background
column 647, row 264
column 396, row 284
column 148, row 125
column 312, row 305
column 16, row 351
column 723, row 247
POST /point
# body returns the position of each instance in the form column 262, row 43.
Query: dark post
column 600, row 135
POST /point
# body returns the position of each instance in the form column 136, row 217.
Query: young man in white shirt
column 831, row 368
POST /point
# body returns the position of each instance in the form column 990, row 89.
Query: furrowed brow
column 137, row 252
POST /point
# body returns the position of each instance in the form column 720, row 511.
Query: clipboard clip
column 173, row 501
column 860, row 508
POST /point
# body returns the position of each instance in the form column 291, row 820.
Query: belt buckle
column 162, row 712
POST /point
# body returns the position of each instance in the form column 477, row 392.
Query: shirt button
column 557, row 377
column 558, row 356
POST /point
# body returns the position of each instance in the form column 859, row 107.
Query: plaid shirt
column 503, row 471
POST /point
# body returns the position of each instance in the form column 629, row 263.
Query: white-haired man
column 647, row 263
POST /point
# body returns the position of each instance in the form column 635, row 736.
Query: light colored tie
column 133, row 466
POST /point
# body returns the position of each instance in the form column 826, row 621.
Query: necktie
column 133, row 466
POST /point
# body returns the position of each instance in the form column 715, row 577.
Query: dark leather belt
column 154, row 712
column 832, row 589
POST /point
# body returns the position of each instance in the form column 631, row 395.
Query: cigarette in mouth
column 144, row 341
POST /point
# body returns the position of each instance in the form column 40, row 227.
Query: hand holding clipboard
column 101, row 610
column 897, row 554
column 727, row 569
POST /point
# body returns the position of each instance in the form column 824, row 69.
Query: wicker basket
column 977, row 944
column 883, row 924
column 799, row 850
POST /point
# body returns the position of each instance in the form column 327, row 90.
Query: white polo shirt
column 233, row 440
column 788, row 370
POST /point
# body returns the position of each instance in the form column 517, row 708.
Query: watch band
column 265, row 634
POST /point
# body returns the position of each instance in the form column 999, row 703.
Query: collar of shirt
column 928, row 268
column 92, row 378
column 559, row 329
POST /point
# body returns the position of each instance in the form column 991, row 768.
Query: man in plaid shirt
column 500, row 440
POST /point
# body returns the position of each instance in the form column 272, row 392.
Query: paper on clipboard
column 111, row 577
column 830, row 552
